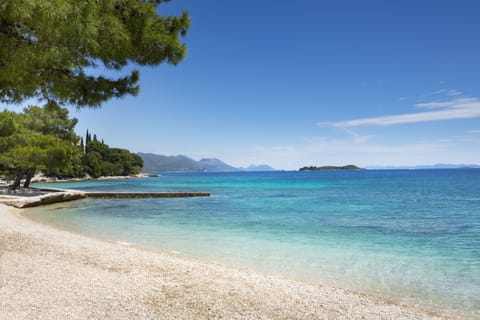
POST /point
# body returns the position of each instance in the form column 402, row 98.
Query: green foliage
column 30, row 151
column 47, row 47
column 51, row 120
column 37, row 151
column 44, row 139
column 93, row 162
column 97, row 146
column 101, row 160
column 38, row 139
column 8, row 124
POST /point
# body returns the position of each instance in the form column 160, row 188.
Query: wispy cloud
column 453, row 93
column 456, row 103
column 441, row 91
column 450, row 92
column 357, row 138
column 461, row 108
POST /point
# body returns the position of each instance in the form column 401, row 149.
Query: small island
column 331, row 168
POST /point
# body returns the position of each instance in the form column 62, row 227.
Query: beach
column 47, row 273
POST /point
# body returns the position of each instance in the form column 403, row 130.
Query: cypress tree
column 82, row 145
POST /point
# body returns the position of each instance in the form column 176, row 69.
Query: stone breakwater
column 137, row 195
column 29, row 198
column 32, row 197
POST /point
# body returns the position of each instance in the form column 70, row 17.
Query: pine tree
column 48, row 46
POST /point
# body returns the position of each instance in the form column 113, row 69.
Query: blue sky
column 294, row 83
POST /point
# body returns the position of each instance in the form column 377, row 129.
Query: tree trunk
column 18, row 179
column 30, row 173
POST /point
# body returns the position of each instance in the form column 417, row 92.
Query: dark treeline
column 101, row 160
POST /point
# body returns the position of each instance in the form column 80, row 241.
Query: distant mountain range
column 261, row 167
column 433, row 166
column 158, row 163
column 213, row 164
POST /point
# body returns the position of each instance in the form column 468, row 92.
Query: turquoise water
column 410, row 235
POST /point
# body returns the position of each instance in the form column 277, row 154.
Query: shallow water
column 409, row 235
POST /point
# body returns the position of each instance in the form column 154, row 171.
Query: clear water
column 413, row 236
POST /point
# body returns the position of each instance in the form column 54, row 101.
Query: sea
column 411, row 236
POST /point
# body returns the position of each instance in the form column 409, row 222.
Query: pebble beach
column 47, row 273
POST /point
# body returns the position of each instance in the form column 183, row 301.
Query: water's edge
column 418, row 246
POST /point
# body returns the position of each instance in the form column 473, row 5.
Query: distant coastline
column 181, row 163
column 331, row 168
column 427, row 167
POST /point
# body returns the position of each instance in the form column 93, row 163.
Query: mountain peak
column 157, row 163
column 214, row 164
column 259, row 167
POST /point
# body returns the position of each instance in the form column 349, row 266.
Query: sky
column 310, row 82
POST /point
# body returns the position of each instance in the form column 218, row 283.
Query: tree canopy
column 44, row 139
column 101, row 160
column 48, row 48
column 37, row 139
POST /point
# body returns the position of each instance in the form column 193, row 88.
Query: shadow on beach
column 22, row 192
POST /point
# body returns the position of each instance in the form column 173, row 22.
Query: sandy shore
column 51, row 274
